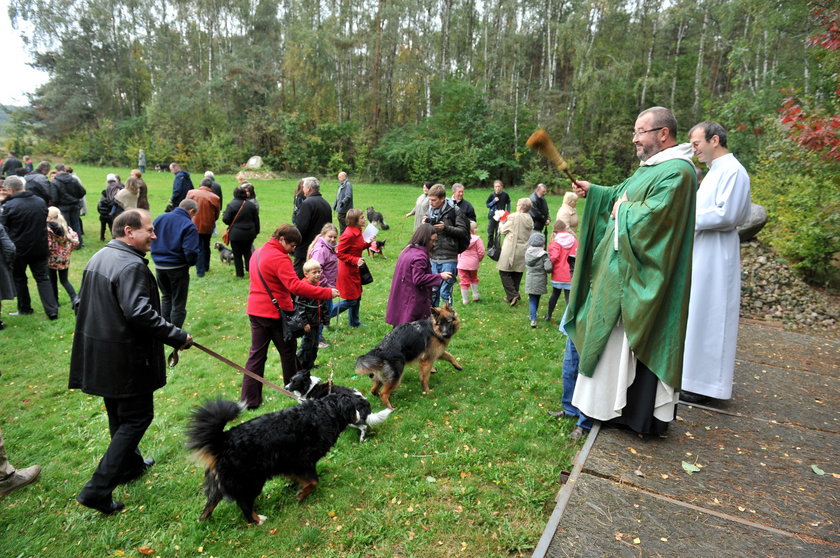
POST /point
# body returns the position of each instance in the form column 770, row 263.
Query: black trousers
column 42, row 279
column 128, row 419
column 241, row 255
column 174, row 287
column 510, row 283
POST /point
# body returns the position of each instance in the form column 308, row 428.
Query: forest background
column 446, row 90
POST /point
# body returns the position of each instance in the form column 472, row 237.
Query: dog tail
column 368, row 364
column 206, row 432
column 375, row 419
column 385, row 226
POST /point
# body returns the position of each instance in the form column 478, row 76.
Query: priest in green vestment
column 629, row 301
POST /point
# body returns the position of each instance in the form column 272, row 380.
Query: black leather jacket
column 119, row 338
column 68, row 189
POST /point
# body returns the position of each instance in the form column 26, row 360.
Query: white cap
column 208, row 174
column 111, row 178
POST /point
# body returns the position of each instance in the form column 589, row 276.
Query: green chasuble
column 646, row 282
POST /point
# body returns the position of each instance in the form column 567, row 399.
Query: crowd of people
column 636, row 270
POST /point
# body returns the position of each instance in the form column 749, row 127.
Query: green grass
column 470, row 469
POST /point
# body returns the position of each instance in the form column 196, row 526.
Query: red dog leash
column 173, row 360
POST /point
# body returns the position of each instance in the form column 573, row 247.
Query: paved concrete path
column 757, row 492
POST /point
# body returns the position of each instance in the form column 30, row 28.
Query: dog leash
column 173, row 360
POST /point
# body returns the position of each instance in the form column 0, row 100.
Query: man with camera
column 450, row 225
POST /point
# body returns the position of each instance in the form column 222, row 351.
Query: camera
column 433, row 220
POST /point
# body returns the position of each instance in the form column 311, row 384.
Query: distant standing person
column 314, row 213
column 421, row 206
column 465, row 206
column 243, row 219
column 343, row 200
column 723, row 203
column 568, row 212
column 516, row 229
column 469, row 261
column 11, row 164
column 215, row 186
column 539, row 208
column 174, row 251
column 498, row 200
column 143, row 196
column 118, row 352
column 24, row 216
column 69, row 193
column 180, row 185
column 205, row 219
column 27, row 163
column 537, row 267
column 141, row 161
column 37, row 183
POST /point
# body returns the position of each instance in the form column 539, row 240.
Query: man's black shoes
column 108, row 507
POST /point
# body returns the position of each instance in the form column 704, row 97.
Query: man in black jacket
column 38, row 183
column 118, row 351
column 69, row 193
column 539, row 209
column 312, row 215
column 466, row 207
column 450, row 225
column 25, row 218
column 10, row 165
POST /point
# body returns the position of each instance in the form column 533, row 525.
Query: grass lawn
column 470, row 469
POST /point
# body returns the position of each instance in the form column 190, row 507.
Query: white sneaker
column 323, row 344
column 534, row 323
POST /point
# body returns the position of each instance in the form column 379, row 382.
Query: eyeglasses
column 640, row 132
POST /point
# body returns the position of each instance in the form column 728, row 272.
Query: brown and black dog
column 423, row 341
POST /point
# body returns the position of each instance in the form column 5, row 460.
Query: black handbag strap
column 267, row 288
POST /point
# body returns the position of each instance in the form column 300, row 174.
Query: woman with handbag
column 243, row 220
column 273, row 282
column 349, row 252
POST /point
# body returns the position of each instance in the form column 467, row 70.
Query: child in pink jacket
column 468, row 262
column 563, row 246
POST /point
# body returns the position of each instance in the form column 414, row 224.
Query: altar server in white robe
column 723, row 203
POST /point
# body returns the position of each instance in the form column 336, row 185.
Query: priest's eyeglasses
column 640, row 132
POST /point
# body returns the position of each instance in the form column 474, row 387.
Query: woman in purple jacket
column 411, row 287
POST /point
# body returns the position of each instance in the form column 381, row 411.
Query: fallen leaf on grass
column 817, row 470
column 145, row 550
column 637, row 540
column 639, row 473
column 690, row 468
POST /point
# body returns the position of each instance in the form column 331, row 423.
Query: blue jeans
column 352, row 307
column 533, row 305
column 444, row 291
column 321, row 326
column 571, row 362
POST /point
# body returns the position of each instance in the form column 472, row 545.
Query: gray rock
column 756, row 222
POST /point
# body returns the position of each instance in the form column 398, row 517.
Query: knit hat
column 111, row 178
column 537, row 239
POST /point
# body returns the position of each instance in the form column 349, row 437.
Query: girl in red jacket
column 349, row 252
column 562, row 247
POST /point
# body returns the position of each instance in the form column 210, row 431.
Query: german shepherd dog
column 288, row 442
column 423, row 341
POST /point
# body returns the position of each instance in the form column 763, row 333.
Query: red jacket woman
column 349, row 252
column 273, row 264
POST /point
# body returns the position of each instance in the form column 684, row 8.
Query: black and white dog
column 288, row 442
column 304, row 387
column 376, row 219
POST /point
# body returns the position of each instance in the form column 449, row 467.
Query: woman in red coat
column 349, row 252
column 273, row 264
